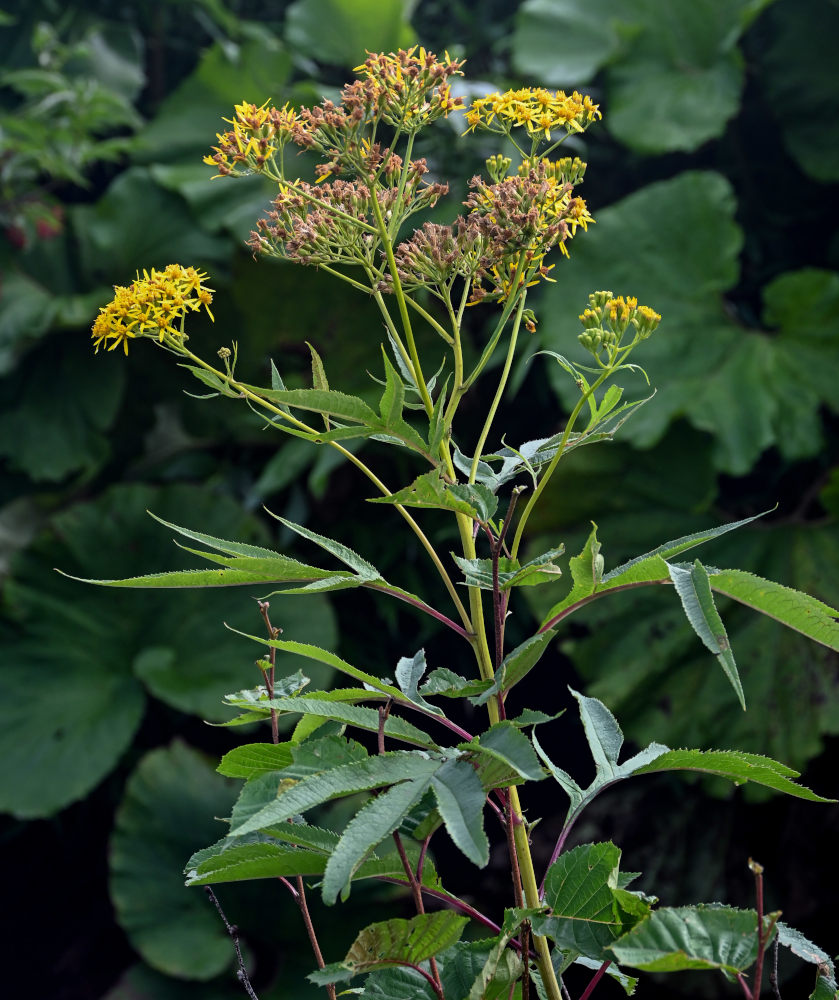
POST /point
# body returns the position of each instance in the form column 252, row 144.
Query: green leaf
column 511, row 573
column 799, row 945
column 397, row 942
column 364, row 569
column 790, row 607
column 319, row 655
column 798, row 51
column 736, row 766
column 409, row 671
column 691, row 937
column 254, row 861
column 341, row 31
column 447, row 683
column 588, row 911
column 252, row 759
column 504, row 744
column 431, row 491
column 167, row 808
column 694, row 590
column 370, row 825
column 373, row 772
column 460, row 800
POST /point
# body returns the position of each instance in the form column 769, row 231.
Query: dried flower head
column 152, row 306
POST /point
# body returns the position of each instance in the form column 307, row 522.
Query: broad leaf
column 431, row 491
column 504, row 756
column 167, row 809
column 395, row 942
column 588, row 910
column 409, row 671
column 692, row 937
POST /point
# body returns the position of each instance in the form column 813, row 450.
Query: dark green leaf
column 460, row 800
column 341, row 31
column 168, row 807
column 507, row 745
column 692, row 937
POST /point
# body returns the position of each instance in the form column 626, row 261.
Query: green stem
column 509, row 305
column 499, row 392
column 543, row 482
column 430, row 320
column 357, row 462
column 403, row 306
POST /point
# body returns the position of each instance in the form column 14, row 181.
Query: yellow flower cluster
column 538, row 110
column 152, row 306
column 257, row 134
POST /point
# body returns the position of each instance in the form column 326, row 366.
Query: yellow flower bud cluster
column 257, row 134
column 608, row 317
column 152, row 306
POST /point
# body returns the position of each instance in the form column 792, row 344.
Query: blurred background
column 713, row 180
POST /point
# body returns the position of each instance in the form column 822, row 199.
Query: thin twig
column 565, row 992
column 595, row 979
column 741, row 979
column 299, row 895
column 757, row 871
column 773, row 976
column 269, row 674
column 233, row 931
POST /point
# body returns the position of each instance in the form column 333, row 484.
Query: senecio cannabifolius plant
column 429, row 777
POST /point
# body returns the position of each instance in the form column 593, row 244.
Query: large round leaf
column 342, row 31
column 80, row 650
column 166, row 814
column 675, row 245
column 799, row 75
column 681, row 60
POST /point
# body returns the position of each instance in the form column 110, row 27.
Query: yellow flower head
column 535, row 109
column 152, row 306
column 253, row 141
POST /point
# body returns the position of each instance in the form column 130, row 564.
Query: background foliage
column 713, row 182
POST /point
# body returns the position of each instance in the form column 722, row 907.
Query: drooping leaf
column 373, row 772
column 460, row 800
column 167, row 809
column 370, row 825
column 694, row 590
column 692, row 937
column 341, row 31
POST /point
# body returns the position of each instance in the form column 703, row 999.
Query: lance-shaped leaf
column 342, row 552
column 324, row 656
column 253, row 861
column 651, row 567
column 255, row 758
column 734, row 765
column 692, row 937
column 326, row 401
column 460, row 801
column 373, row 772
column 805, row 614
column 694, row 590
column 370, row 825
column 395, row 942
column 589, row 911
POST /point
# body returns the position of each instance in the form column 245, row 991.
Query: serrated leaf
column 460, row 800
column 252, row 759
column 430, row 491
column 311, row 652
column 370, row 825
column 507, row 745
column 691, row 937
column 409, row 671
column 694, row 590
column 326, row 401
column 799, row 945
column 735, row 765
column 399, row 942
column 346, row 555
column 254, row 861
column 511, row 573
column 374, row 772
column 790, row 607
column 447, row 683
column 581, row 889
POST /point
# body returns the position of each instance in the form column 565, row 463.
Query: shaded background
column 713, row 182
